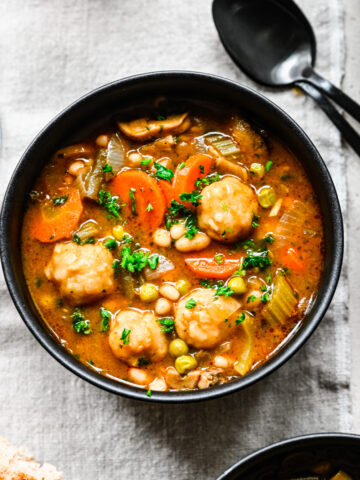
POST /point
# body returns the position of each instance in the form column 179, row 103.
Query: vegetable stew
column 174, row 252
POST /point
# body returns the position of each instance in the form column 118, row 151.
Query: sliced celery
column 224, row 144
column 282, row 303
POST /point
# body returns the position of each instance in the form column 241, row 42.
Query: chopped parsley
column 57, row 201
column 149, row 207
column 39, row 282
column 258, row 259
column 148, row 393
column 133, row 200
column 240, row 318
column 136, row 261
column 109, row 203
column 80, row 325
column 146, row 161
column 268, row 165
column 269, row 238
column 194, row 197
column 202, row 168
column 143, row 361
column 219, row 258
column 177, row 209
column 110, row 243
column 78, row 240
column 105, row 319
column 190, row 304
column 181, row 165
column 160, row 118
column 163, row 172
column 255, row 221
column 125, row 336
column 203, row 182
column 218, row 286
column 108, row 168
column 251, row 298
column 168, row 324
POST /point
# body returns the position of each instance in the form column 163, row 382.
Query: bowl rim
column 301, row 441
column 119, row 387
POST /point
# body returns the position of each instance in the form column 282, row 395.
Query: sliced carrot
column 197, row 166
column 149, row 200
column 51, row 223
column 168, row 191
column 209, row 268
column 292, row 260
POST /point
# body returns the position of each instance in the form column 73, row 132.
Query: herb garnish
column 143, row 361
column 240, row 318
column 105, row 319
column 80, row 325
column 57, row 201
column 133, row 200
column 194, row 197
column 136, row 261
column 190, row 304
column 108, row 168
column 110, row 243
column 163, row 172
column 268, row 165
column 146, row 161
column 125, row 336
column 109, row 203
column 255, row 221
column 168, row 324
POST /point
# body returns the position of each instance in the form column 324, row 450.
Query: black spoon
column 273, row 43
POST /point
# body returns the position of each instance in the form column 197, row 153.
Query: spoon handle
column 350, row 135
column 334, row 93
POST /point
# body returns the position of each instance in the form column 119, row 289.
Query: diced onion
column 115, row 154
column 223, row 308
column 87, row 229
column 165, row 265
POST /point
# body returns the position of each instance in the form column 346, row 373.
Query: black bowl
column 132, row 95
column 290, row 458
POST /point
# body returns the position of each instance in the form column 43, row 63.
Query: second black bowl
column 296, row 457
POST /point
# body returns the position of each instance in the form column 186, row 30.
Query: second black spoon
column 273, row 42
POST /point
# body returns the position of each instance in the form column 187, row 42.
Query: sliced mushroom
column 209, row 378
column 144, row 128
column 228, row 167
column 178, row 382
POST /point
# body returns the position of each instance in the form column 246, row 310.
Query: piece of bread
column 17, row 464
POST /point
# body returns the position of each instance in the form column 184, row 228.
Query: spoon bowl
column 272, row 43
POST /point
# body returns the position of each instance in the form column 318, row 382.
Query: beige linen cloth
column 51, row 52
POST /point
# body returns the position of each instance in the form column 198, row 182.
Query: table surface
column 352, row 86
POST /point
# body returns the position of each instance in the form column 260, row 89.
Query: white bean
column 162, row 238
column 177, row 231
column 139, row 376
column 163, row 306
column 134, row 159
column 199, row 242
column 102, row 140
column 75, row 168
column 169, row 291
column 220, row 361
